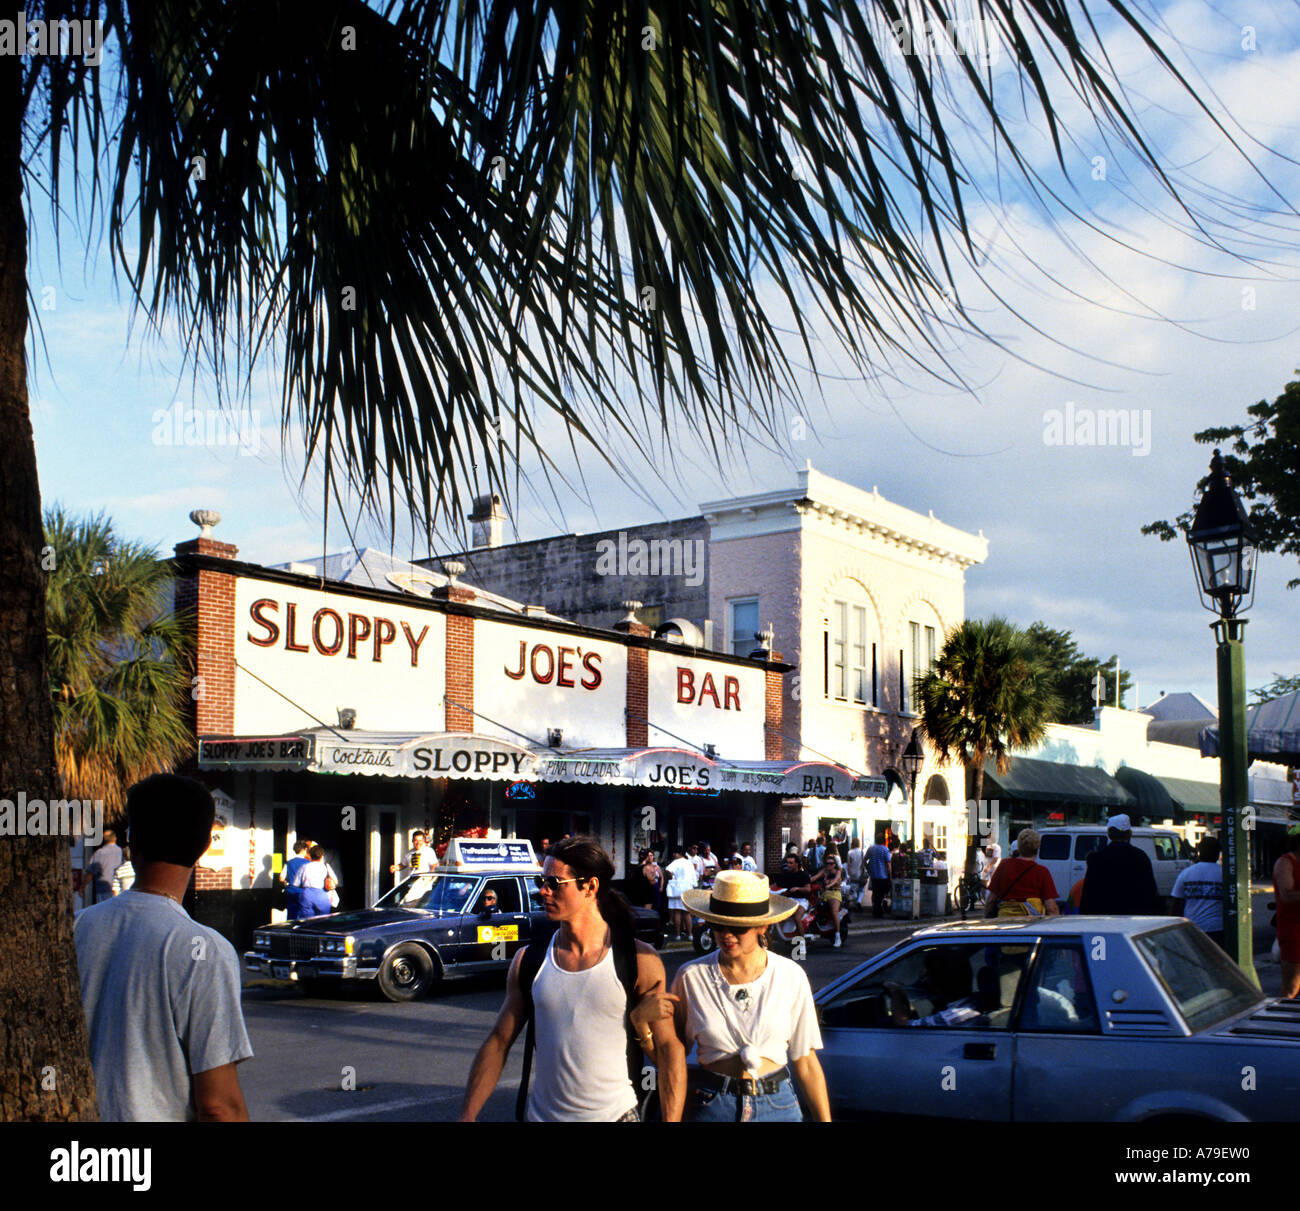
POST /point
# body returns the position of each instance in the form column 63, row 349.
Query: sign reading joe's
column 537, row 679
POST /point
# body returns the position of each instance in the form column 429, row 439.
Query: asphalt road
column 351, row 1056
column 409, row 1062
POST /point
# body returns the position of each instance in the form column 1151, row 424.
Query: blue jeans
column 710, row 1106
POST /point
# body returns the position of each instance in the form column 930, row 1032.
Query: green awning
column 1153, row 798
column 1036, row 781
column 1159, row 797
column 1192, row 796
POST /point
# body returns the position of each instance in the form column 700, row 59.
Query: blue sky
column 1177, row 345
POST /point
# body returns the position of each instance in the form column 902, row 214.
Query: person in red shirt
column 1286, row 894
column 1020, row 887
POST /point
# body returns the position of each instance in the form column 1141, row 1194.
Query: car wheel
column 703, row 940
column 407, row 973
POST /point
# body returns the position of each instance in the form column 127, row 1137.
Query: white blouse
column 774, row 1015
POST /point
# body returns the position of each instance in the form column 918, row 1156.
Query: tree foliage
column 1279, row 687
column 1263, row 463
column 1072, row 675
column 119, row 660
column 987, row 694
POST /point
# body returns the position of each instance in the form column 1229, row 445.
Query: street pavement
column 409, row 1062
column 349, row 1055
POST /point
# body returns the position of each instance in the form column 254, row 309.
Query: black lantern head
column 913, row 758
column 1223, row 546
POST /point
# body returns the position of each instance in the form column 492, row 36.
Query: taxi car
column 427, row 928
column 1058, row 1019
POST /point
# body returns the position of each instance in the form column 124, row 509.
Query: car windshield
column 1205, row 985
column 441, row 894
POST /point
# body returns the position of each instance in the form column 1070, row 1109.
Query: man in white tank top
column 580, row 1010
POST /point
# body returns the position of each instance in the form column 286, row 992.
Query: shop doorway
column 345, row 848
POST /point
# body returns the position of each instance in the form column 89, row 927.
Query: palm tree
column 985, row 696
column 451, row 220
column 119, row 661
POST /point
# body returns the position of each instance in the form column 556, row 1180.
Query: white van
column 1064, row 851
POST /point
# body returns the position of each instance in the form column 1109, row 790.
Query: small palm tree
column 119, row 660
column 986, row 695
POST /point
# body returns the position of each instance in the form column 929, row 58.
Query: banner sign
column 475, row 758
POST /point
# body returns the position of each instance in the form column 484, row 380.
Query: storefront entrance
column 345, row 847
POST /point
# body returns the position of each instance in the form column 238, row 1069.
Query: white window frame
column 731, row 624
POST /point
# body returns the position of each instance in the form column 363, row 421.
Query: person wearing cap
column 748, row 1012
column 1286, row 894
column 1120, row 881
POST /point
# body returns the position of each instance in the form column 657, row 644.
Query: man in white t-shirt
column 420, row 858
column 1198, row 890
column 160, row 991
column 681, row 878
column 746, row 857
column 708, row 859
column 693, row 853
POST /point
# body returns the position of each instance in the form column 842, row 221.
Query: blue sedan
column 1069, row 1019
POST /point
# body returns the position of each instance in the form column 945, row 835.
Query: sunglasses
column 733, row 929
column 553, row 882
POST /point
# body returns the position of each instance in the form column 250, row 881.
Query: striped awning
column 476, row 757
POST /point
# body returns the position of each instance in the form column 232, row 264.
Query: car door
column 489, row 941
column 877, row 1067
column 1066, row 1069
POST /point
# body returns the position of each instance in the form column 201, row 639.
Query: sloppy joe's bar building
column 353, row 713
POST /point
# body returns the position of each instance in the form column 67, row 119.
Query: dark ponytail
column 588, row 860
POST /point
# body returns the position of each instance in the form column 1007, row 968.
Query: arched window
column 852, row 652
column 936, row 791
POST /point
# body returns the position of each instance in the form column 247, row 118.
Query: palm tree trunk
column 974, row 838
column 45, row 1070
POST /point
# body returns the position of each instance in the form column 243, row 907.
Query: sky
column 1178, row 336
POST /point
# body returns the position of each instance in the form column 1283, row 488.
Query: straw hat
column 739, row 897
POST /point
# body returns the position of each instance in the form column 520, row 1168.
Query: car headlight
column 261, row 942
column 330, row 946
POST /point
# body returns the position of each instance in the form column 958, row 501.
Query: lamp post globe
column 1223, row 545
column 912, row 759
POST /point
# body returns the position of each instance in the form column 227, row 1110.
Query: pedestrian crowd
column 605, row 1037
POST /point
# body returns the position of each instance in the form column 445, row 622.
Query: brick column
column 774, row 703
column 460, row 660
column 208, row 597
column 638, row 685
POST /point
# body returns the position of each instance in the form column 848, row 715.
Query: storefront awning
column 1153, row 799
column 1190, row 795
column 1034, row 781
column 475, row 757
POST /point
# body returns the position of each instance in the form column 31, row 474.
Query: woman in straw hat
column 749, row 1012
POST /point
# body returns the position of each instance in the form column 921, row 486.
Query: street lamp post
column 912, row 760
column 1223, row 547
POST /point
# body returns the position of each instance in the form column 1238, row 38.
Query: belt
column 741, row 1086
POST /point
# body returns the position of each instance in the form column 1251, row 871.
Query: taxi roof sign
column 465, row 853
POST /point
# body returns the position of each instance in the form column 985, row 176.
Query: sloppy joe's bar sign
column 251, row 752
column 323, row 651
column 533, row 679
